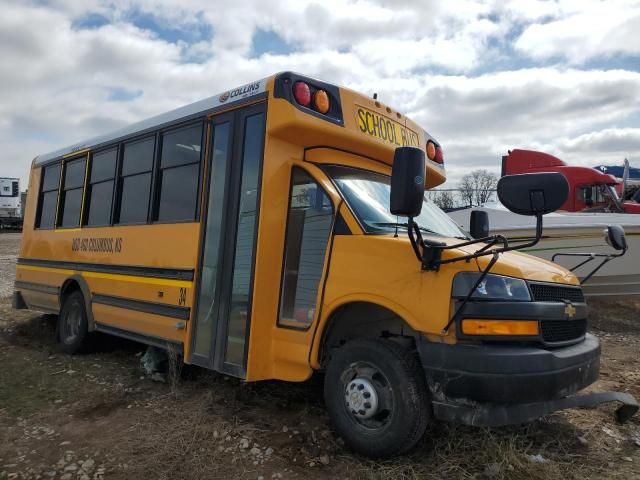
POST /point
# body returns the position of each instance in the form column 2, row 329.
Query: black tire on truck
column 377, row 397
column 73, row 325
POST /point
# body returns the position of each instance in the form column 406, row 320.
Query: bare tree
column 465, row 190
column 477, row 187
column 443, row 199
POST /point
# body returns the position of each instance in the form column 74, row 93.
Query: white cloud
column 432, row 59
column 588, row 30
column 609, row 146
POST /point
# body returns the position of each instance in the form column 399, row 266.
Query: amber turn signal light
column 321, row 101
column 500, row 327
column 431, row 150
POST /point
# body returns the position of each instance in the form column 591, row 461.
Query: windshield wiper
column 401, row 225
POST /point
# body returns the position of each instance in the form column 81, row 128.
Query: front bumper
column 492, row 385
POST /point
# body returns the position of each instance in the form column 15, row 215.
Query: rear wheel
column 377, row 397
column 73, row 326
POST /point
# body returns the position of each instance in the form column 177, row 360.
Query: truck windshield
column 367, row 193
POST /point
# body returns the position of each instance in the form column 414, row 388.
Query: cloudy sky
column 481, row 76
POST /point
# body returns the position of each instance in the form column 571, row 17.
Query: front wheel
column 377, row 397
column 73, row 326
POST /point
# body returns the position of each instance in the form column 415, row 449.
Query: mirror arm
column 415, row 237
column 496, row 239
column 491, row 239
column 592, row 256
column 592, row 273
column 482, row 276
column 484, row 250
column 588, row 260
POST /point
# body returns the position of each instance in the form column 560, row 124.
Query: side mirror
column 614, row 235
column 533, row 193
column 479, row 224
column 407, row 181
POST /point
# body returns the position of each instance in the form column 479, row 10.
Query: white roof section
column 501, row 219
column 201, row 106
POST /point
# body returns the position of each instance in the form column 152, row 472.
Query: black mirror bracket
column 606, row 258
column 432, row 255
column 427, row 252
column 615, row 238
column 431, row 252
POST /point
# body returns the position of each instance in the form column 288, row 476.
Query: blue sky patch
column 195, row 30
column 89, row 21
column 121, row 94
column 268, row 41
column 616, row 62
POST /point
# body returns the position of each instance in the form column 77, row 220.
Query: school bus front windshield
column 367, row 193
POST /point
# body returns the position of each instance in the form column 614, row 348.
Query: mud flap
column 18, row 302
column 496, row 415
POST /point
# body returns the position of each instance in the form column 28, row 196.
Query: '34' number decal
column 182, row 297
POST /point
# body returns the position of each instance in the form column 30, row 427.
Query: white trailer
column 10, row 203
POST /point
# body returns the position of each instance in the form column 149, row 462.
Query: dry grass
column 174, row 366
column 194, row 426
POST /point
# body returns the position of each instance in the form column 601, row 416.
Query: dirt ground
column 96, row 416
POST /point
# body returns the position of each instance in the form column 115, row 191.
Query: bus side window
column 179, row 174
column 100, row 188
column 71, row 195
column 48, row 198
column 308, row 230
column 135, row 178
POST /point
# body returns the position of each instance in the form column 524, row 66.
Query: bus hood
column 528, row 267
column 512, row 264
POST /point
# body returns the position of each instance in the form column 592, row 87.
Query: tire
column 396, row 419
column 73, row 326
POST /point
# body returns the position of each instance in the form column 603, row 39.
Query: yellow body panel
column 380, row 269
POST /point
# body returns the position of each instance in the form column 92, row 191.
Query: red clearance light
column 302, row 93
column 439, row 156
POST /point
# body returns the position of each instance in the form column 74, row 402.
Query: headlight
column 492, row 287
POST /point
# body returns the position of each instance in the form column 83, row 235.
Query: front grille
column 563, row 330
column 551, row 293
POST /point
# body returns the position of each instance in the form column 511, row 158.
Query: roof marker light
column 431, row 150
column 302, row 93
column 321, row 101
column 439, row 155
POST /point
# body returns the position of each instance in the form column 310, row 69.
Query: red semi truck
column 589, row 189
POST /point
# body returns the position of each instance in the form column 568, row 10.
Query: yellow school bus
column 281, row 228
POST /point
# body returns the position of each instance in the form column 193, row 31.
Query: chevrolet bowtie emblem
column 570, row 310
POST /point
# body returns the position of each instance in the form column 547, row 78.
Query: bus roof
column 191, row 110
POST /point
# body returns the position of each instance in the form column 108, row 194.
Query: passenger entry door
column 223, row 312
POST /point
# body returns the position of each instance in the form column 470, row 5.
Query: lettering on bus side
column 97, row 244
column 242, row 92
column 383, row 128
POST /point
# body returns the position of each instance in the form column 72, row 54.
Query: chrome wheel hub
column 361, row 398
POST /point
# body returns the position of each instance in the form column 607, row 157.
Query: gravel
column 9, row 247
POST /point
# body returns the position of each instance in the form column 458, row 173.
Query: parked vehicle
column 281, row 228
column 628, row 176
column 589, row 189
column 566, row 232
column 10, row 203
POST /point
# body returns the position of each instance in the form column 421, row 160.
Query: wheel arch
column 358, row 318
column 77, row 282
